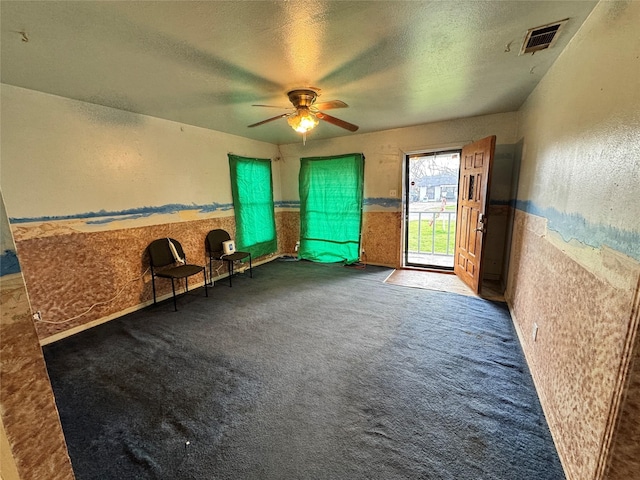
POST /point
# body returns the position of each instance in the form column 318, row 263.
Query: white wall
column 582, row 126
column 66, row 157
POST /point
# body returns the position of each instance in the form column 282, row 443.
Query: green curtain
column 331, row 208
column 252, row 190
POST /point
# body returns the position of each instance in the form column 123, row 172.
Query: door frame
column 431, row 150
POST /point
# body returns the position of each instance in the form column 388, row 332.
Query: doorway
column 431, row 197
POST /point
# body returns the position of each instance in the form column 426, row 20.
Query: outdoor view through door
column 430, row 217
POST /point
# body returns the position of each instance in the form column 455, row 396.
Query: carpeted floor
column 306, row 371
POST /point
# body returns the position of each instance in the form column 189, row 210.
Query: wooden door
column 473, row 201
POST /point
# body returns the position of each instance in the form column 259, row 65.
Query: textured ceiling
column 395, row 63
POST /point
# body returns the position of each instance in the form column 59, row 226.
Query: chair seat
column 181, row 271
column 232, row 257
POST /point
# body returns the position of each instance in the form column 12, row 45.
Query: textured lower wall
column 624, row 463
column 381, row 237
column 583, row 315
column 68, row 273
column 29, row 413
column 288, row 230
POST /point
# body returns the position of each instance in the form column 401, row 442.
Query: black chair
column 164, row 264
column 214, row 248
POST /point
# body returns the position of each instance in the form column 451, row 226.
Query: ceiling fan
column 306, row 112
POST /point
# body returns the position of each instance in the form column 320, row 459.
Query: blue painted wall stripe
column 104, row 216
column 287, row 204
column 129, row 213
column 573, row 226
column 383, row 202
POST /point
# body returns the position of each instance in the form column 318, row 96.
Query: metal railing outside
column 429, row 221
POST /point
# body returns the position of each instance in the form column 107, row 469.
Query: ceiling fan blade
column 268, row 120
column 337, row 122
column 272, row 106
column 330, row 104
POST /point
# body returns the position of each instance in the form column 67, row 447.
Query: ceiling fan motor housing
column 302, row 97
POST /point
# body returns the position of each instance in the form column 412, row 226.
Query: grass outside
column 444, row 229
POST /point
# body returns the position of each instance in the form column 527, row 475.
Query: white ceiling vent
column 539, row 38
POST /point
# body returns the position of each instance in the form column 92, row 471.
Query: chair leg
column 204, row 273
column 230, row 268
column 153, row 287
column 210, row 271
column 173, row 288
column 250, row 267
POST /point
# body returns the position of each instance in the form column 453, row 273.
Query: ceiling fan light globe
column 308, row 122
column 303, row 121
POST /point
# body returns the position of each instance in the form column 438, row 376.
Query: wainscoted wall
column 582, row 317
column 77, row 277
column 574, row 267
column 31, row 426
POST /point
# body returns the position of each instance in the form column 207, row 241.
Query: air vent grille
column 542, row 37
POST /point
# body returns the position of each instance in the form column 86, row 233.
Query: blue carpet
column 306, row 371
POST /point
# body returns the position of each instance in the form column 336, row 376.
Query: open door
column 473, row 200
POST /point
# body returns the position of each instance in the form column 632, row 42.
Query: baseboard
column 99, row 321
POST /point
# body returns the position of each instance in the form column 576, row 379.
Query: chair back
column 214, row 241
column 160, row 254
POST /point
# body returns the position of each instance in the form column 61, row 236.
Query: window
column 252, row 190
column 331, row 190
